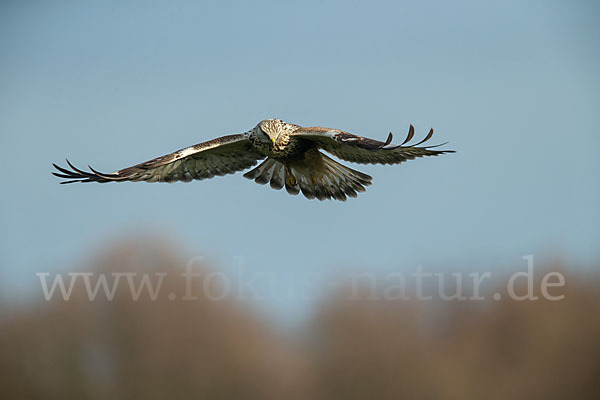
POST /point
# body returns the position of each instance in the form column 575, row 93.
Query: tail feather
column 316, row 176
column 307, row 188
column 291, row 182
column 266, row 173
column 278, row 177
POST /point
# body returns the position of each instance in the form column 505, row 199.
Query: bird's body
column 292, row 160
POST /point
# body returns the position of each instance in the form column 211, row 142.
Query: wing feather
column 224, row 155
column 362, row 150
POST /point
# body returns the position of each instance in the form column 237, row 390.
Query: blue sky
column 513, row 86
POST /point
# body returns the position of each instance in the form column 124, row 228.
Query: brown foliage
column 159, row 349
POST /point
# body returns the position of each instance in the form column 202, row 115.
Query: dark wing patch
column 224, row 155
column 362, row 150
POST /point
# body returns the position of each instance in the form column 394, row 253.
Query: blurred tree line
column 351, row 349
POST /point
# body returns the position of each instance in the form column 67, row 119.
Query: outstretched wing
column 224, row 155
column 358, row 149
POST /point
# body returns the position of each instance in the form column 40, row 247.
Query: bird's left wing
column 358, row 149
column 224, row 155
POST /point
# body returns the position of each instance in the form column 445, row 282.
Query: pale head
column 272, row 128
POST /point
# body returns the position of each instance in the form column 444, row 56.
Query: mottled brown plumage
column 293, row 160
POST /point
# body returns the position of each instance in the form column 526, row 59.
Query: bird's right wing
column 224, row 155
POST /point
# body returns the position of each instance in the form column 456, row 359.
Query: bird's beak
column 273, row 140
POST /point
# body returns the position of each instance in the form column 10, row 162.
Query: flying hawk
column 292, row 160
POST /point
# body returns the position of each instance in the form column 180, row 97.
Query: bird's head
column 271, row 128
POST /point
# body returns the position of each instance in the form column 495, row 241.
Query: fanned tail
column 271, row 171
column 317, row 176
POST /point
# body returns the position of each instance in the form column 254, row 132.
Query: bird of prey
column 292, row 160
